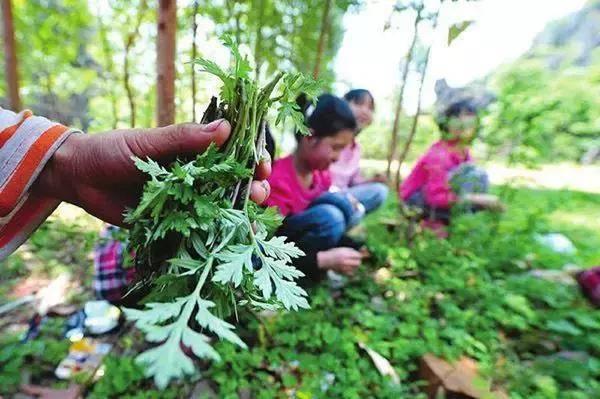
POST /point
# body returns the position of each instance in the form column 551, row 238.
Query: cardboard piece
column 459, row 380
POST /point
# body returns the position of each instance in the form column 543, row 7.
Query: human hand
column 356, row 205
column 344, row 260
column 379, row 178
column 486, row 201
column 73, row 392
column 97, row 173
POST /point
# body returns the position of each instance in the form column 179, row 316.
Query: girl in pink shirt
column 345, row 172
column 444, row 176
column 315, row 219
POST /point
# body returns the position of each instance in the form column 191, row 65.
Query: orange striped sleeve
column 27, row 142
column 7, row 132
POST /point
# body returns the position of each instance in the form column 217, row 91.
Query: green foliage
column 39, row 356
column 471, row 295
column 194, row 240
column 124, row 378
column 282, row 36
column 542, row 114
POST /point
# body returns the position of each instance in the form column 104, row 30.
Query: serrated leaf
column 234, row 259
column 150, row 167
column 165, row 362
column 199, row 344
column 262, row 280
column 277, row 248
column 218, row 326
column 290, row 295
column 275, row 273
column 155, row 313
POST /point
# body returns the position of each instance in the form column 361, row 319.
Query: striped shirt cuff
column 27, row 142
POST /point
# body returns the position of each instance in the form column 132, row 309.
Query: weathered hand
column 97, row 173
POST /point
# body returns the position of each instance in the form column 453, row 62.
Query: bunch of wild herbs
column 203, row 248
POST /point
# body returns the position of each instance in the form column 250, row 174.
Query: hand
column 355, row 203
column 486, row 201
column 73, row 392
column 342, row 259
column 379, row 178
column 96, row 172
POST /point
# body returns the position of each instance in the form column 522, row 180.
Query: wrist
column 56, row 178
column 322, row 260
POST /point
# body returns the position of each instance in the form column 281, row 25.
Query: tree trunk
column 258, row 40
column 10, row 56
column 110, row 70
column 235, row 16
column 165, row 60
column 322, row 37
column 415, row 120
column 194, row 55
column 129, row 42
column 398, row 112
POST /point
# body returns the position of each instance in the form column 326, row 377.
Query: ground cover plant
column 470, row 295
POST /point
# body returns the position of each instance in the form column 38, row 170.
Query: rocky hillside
column 571, row 39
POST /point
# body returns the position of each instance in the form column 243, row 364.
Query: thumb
column 169, row 142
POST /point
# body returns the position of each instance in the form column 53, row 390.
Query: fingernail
column 214, row 125
column 265, row 186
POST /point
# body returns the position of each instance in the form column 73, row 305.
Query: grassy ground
column 470, row 295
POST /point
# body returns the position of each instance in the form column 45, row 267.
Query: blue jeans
column 465, row 179
column 318, row 228
column 322, row 225
column 370, row 195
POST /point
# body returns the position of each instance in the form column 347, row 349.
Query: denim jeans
column 465, row 179
column 322, row 225
column 370, row 195
column 318, row 228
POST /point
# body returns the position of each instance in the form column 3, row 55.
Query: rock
column 557, row 242
column 382, row 275
column 203, row 390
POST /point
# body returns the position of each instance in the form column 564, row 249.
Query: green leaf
column 277, row 248
column 218, row 326
column 150, row 167
column 199, row 344
column 165, row 362
column 563, row 327
column 234, row 259
column 455, row 30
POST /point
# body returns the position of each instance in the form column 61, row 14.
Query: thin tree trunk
column 129, row 42
column 322, row 37
column 165, row 60
column 258, row 40
column 10, row 56
column 194, row 55
column 415, row 120
column 110, row 70
column 230, row 4
column 413, row 127
column 398, row 112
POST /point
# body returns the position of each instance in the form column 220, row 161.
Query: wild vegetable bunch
column 202, row 248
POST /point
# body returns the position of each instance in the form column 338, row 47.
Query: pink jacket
column 287, row 193
column 431, row 175
column 346, row 171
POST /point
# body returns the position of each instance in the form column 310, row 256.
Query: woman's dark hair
column 359, row 96
column 454, row 110
column 330, row 115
